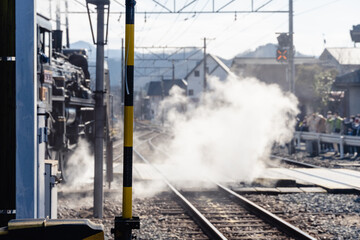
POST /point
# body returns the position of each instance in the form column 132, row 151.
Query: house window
column 191, row 92
column 197, row 73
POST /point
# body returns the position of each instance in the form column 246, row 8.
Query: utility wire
column 80, row 3
column 189, row 25
column 119, row 3
column 315, row 8
column 246, row 28
column 172, row 27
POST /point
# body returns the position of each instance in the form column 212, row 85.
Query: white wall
column 197, row 83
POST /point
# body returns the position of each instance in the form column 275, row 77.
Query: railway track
column 117, row 146
column 333, row 171
column 223, row 214
column 172, row 216
column 326, row 160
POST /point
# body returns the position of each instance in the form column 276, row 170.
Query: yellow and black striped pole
column 124, row 225
column 129, row 109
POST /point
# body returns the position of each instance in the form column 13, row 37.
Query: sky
column 317, row 24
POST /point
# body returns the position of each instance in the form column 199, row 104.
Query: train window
column 44, row 41
column 47, row 43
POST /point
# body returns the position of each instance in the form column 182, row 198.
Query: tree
column 313, row 87
column 322, row 85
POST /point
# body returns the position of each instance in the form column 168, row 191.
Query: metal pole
column 99, row 115
column 109, row 142
column 128, row 115
column 67, row 24
column 205, row 65
column 50, row 9
column 162, row 98
column 291, row 62
column 173, row 70
column 58, row 20
column 291, row 50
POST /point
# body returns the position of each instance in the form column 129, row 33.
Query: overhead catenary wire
column 315, row 8
column 188, row 26
column 139, row 40
column 171, row 27
column 238, row 32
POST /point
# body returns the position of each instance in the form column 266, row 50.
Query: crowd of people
column 332, row 124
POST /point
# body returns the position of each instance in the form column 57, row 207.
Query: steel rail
column 260, row 212
column 307, row 165
column 294, row 162
column 208, row 228
column 267, row 216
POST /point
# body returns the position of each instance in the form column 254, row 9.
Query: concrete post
column 99, row 115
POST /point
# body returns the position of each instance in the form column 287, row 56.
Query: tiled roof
column 155, row 87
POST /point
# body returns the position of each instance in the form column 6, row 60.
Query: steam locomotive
column 64, row 92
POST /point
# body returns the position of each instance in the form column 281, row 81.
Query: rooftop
column 348, row 79
column 344, row 56
column 156, row 88
column 272, row 61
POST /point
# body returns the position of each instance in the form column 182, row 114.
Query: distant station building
column 344, row 60
column 195, row 78
column 267, row 69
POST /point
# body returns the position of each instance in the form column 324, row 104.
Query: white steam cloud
column 230, row 132
column 79, row 168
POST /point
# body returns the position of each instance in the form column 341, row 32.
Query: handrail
column 329, row 138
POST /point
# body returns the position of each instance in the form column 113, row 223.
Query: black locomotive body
column 64, row 91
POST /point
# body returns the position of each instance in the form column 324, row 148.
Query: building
column 195, row 78
column 158, row 90
column 267, row 69
column 348, row 85
column 345, row 60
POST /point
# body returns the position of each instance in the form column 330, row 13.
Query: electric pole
column 50, row 9
column 58, row 21
column 205, row 83
column 291, row 49
column 99, row 105
column 173, row 70
column 67, row 24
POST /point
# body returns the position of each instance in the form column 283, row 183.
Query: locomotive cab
column 44, row 56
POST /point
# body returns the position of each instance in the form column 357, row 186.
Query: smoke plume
column 229, row 133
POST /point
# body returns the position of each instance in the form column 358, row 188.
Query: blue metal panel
column 26, row 169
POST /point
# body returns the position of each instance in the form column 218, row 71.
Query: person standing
column 336, row 129
column 356, row 132
column 321, row 128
